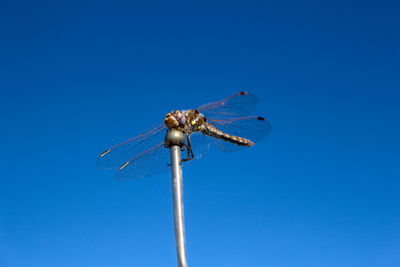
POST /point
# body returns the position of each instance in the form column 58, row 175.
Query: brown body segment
column 212, row 131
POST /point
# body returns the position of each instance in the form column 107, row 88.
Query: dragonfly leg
column 188, row 148
column 190, row 155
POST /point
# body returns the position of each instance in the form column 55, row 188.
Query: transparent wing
column 253, row 128
column 152, row 161
column 240, row 104
column 200, row 146
column 157, row 159
column 118, row 155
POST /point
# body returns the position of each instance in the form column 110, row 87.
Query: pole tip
column 174, row 138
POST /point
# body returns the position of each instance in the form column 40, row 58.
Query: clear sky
column 77, row 77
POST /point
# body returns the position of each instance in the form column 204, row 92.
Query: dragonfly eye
column 171, row 121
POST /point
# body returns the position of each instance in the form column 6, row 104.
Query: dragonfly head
column 175, row 119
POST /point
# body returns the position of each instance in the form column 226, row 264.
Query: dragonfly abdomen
column 214, row 132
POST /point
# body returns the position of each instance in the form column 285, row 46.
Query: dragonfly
column 225, row 123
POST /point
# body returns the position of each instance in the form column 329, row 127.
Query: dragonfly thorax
column 195, row 121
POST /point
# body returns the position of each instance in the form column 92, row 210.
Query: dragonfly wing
column 240, row 104
column 152, row 161
column 200, row 146
column 158, row 160
column 118, row 155
column 253, row 128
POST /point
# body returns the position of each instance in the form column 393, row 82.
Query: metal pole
column 174, row 140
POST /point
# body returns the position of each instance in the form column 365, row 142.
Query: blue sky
column 321, row 190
